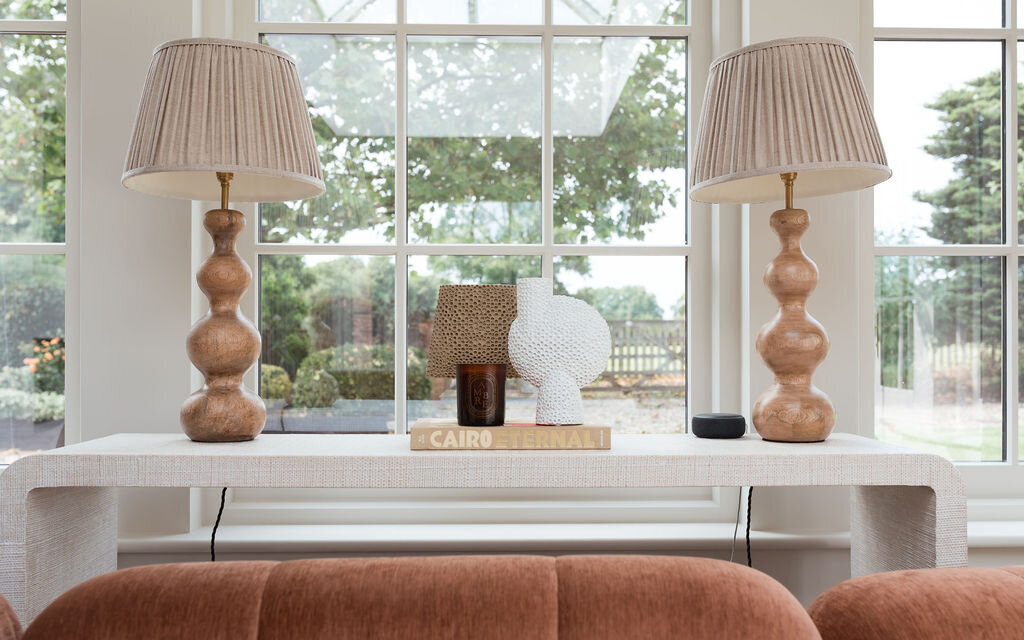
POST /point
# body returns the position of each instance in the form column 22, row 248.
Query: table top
column 378, row 461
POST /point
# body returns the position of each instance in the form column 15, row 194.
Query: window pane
column 643, row 389
column 474, row 11
column 619, row 118
column 328, row 361
column 620, row 12
column 435, row 397
column 31, row 355
column 32, row 101
column 939, row 111
column 373, row 11
column 474, row 140
column 938, row 13
column 34, row 10
column 939, row 365
column 350, row 89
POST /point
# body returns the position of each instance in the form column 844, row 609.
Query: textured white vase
column 558, row 344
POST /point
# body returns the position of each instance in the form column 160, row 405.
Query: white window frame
column 68, row 248
column 993, row 488
column 253, row 507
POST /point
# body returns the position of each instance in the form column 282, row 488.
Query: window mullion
column 547, row 153
column 401, row 227
column 1010, row 145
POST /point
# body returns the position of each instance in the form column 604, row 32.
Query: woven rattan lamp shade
column 471, row 327
column 212, row 105
column 790, row 105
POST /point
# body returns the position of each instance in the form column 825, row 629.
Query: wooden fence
column 647, row 355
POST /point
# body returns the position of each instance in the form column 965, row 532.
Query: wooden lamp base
column 792, row 344
column 223, row 345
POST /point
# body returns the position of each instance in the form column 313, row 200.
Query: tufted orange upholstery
column 479, row 597
column 937, row 604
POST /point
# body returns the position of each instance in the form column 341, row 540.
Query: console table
column 58, row 509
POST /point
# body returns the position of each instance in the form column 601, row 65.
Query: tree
column 284, row 309
column 632, row 302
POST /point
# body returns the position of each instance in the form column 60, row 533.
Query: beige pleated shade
column 796, row 104
column 213, row 105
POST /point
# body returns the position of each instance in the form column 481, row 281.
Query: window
column 33, row 66
column 476, row 142
column 947, row 239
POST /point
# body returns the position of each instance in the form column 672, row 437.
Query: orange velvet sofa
column 478, row 597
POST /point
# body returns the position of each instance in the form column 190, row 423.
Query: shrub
column 274, row 382
column 314, row 387
column 367, row 371
column 47, row 406
column 25, row 405
column 18, row 378
column 46, row 361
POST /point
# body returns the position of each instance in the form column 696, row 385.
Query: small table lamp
column 471, row 328
column 780, row 109
column 219, row 115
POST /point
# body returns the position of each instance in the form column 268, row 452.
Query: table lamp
column 777, row 116
column 227, row 120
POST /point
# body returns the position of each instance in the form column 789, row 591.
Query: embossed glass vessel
column 481, row 394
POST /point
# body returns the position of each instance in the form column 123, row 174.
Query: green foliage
column 632, row 302
column 26, row 405
column 314, row 388
column 274, row 382
column 283, row 311
column 17, row 378
column 45, row 360
column 32, row 133
column 365, row 371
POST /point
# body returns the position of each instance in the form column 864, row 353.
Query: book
column 444, row 434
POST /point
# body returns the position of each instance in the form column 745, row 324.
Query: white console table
column 59, row 512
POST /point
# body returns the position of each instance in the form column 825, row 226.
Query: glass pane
column 939, row 363
column 938, row 13
column 32, row 147
column 474, row 11
column 373, row 11
column 31, row 355
column 643, row 389
column 474, row 140
column 941, row 125
column 328, row 362
column 34, row 10
column 620, row 12
column 435, row 397
column 619, row 118
column 350, row 89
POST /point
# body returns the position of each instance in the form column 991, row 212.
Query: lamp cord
column 213, row 537
column 750, row 500
column 736, row 529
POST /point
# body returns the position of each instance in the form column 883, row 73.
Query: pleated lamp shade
column 212, row 105
column 789, row 105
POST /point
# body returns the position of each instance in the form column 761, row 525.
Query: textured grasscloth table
column 59, row 514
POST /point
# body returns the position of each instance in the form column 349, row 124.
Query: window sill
column 403, row 538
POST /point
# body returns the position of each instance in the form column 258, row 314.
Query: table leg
column 55, row 539
column 898, row 527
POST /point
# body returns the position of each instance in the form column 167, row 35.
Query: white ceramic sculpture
column 558, row 344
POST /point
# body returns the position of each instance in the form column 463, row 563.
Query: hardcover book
column 437, row 434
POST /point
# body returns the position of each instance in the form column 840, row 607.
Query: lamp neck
column 225, row 183
column 787, row 178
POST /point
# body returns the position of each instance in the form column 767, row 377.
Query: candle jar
column 481, row 394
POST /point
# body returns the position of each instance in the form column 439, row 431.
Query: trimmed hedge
column 274, row 382
column 367, row 371
column 314, row 388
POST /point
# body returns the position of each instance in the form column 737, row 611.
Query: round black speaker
column 718, row 425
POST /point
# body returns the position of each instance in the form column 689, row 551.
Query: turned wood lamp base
column 792, row 344
column 223, row 344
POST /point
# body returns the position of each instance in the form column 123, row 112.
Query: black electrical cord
column 213, row 537
column 750, row 499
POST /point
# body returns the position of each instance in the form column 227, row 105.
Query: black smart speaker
column 718, row 425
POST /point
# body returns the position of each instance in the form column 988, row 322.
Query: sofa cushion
column 938, row 604
column 651, row 597
column 485, row 597
column 214, row 600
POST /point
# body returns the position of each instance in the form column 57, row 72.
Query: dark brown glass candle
column 481, row 394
